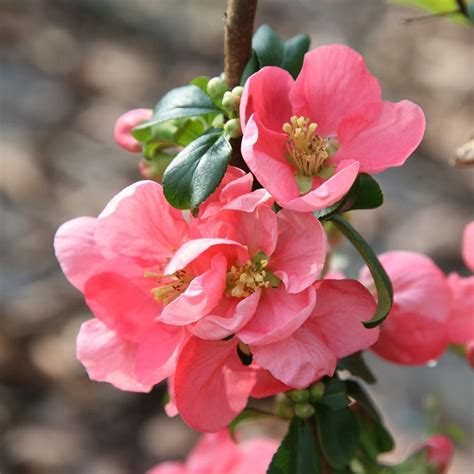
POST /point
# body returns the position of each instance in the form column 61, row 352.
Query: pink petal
column 299, row 359
column 120, row 304
column 461, row 317
column 266, row 385
column 76, row 250
column 381, row 135
column 139, row 223
column 327, row 192
column 230, row 315
column 332, row 84
column 107, row 357
column 205, row 248
column 256, row 455
column 301, row 250
column 215, row 453
column 200, row 297
column 211, row 384
column 169, row 467
column 415, row 332
column 250, row 201
column 266, row 94
column 278, row 315
column 342, row 306
column 157, row 352
column 124, row 125
column 468, row 246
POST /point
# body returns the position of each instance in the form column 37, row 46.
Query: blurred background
column 68, row 69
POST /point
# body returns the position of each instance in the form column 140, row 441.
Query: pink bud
column 440, row 452
column 124, row 125
column 469, row 348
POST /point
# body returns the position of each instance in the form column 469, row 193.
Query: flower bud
column 238, row 91
column 299, row 396
column 304, row 410
column 216, row 87
column 439, row 452
column 233, row 129
column 125, row 124
column 218, row 121
column 316, row 391
column 230, row 103
column 469, row 348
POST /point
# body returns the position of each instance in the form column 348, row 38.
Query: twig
column 238, row 32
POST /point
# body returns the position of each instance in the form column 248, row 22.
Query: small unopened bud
column 218, row 121
column 216, row 87
column 304, row 410
column 469, row 348
column 299, row 396
column 238, row 91
column 316, row 391
column 439, row 452
column 124, row 126
column 233, row 129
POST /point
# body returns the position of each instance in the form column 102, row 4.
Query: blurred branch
column 239, row 19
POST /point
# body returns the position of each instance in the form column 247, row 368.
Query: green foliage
column 334, row 396
column 439, row 7
column 297, row 453
column 356, row 365
column 249, row 414
column 197, row 171
column 338, row 434
column 269, row 50
column 379, row 275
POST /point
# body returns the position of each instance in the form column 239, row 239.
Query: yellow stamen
column 243, row 280
column 307, row 150
column 170, row 286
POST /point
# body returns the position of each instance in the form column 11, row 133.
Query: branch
column 238, row 32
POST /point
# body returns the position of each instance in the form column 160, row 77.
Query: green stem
column 382, row 281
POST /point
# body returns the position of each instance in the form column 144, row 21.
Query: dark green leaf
column 196, row 171
column 338, row 434
column 334, row 394
column 186, row 101
column 366, row 194
column 251, row 68
column 356, row 365
column 293, row 53
column 379, row 275
column 268, row 47
column 297, row 453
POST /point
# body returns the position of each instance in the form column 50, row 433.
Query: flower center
column 307, row 150
column 170, row 286
column 243, row 280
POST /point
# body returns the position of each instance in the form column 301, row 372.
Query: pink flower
column 218, row 454
column 468, row 246
column 306, row 140
column 125, row 124
column 415, row 332
column 439, row 452
column 224, row 305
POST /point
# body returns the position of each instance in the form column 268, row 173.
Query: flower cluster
column 227, row 304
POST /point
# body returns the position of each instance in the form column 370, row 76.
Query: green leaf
column 186, row 101
column 201, row 82
column 293, row 54
column 338, row 434
column 247, row 414
column 438, row 7
column 356, row 365
column 379, row 275
column 297, row 453
column 365, row 194
column 375, row 437
column 196, row 171
column 251, row 67
column 334, row 394
column 268, row 47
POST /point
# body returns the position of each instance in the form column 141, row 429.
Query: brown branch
column 238, row 32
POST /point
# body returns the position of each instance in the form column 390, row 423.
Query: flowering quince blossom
column 227, row 305
column 125, row 124
column 416, row 330
column 461, row 319
column 440, row 452
column 217, row 453
column 306, row 140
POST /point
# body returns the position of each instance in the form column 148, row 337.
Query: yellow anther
column 170, row 286
column 307, row 150
column 243, row 280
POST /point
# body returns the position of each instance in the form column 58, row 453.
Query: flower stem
column 239, row 19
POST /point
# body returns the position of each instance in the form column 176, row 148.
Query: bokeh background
column 68, row 70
